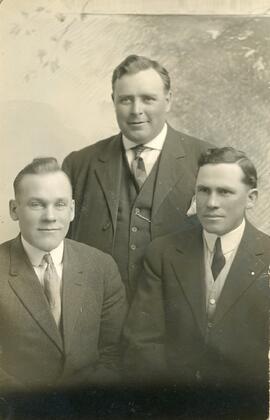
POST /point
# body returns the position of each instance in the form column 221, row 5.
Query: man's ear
column 72, row 210
column 252, row 198
column 13, row 206
column 169, row 98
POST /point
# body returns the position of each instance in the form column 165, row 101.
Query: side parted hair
column 135, row 63
column 40, row 165
column 231, row 155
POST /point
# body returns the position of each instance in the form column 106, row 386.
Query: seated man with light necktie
column 62, row 303
column 199, row 318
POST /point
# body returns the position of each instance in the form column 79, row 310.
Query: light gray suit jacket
column 33, row 353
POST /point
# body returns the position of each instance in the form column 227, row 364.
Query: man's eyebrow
column 126, row 95
column 36, row 198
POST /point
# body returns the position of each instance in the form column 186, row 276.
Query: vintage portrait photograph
column 134, row 210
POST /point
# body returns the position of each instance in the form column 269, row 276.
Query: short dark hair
column 135, row 63
column 39, row 165
column 231, row 155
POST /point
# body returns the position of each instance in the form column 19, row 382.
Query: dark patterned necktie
column 218, row 259
column 51, row 289
column 138, row 167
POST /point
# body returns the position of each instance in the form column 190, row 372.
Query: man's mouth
column 213, row 216
column 48, row 229
column 137, row 122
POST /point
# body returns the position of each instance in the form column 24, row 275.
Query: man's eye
column 202, row 190
column 225, row 192
column 35, row 204
column 149, row 99
column 125, row 100
column 61, row 204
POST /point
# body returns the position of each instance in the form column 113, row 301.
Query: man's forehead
column 148, row 75
column 220, row 172
column 51, row 180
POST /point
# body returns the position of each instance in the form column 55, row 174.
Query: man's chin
column 217, row 230
column 48, row 246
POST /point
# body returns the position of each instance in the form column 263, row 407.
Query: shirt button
column 134, row 229
column 133, row 247
column 212, row 301
column 137, row 210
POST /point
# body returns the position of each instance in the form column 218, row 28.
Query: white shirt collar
column 156, row 143
column 35, row 255
column 229, row 241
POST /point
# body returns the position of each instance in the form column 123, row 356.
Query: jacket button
column 106, row 226
column 210, row 324
column 133, row 247
column 134, row 229
column 198, row 376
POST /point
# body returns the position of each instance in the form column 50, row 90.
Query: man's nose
column 49, row 214
column 212, row 200
column 137, row 107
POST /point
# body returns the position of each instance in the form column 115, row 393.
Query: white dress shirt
column 150, row 154
column 229, row 244
column 35, row 256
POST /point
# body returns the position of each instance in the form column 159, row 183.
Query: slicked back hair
column 40, row 165
column 231, row 155
column 135, row 63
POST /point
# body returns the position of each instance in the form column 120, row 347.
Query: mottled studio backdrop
column 55, row 88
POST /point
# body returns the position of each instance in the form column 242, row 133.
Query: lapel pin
column 252, row 273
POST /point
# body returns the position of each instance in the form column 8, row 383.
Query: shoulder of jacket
column 92, row 149
column 189, row 141
column 86, row 251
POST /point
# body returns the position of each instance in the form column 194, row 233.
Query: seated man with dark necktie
column 200, row 315
column 62, row 303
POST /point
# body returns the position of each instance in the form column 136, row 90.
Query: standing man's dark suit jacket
column 168, row 338
column 95, row 173
column 33, row 352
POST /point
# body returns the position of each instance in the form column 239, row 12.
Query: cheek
column 65, row 218
column 121, row 112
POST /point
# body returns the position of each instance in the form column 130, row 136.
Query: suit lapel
column 73, row 291
column 108, row 170
column 188, row 265
column 26, row 286
column 248, row 264
column 170, row 169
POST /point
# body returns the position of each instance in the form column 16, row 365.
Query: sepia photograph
column 134, row 209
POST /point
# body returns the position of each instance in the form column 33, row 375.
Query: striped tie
column 138, row 167
column 51, row 279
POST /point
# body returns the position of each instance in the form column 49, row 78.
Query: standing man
column 62, row 303
column 137, row 185
column 200, row 315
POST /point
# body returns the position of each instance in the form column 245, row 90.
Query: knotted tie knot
column 138, row 150
column 47, row 258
